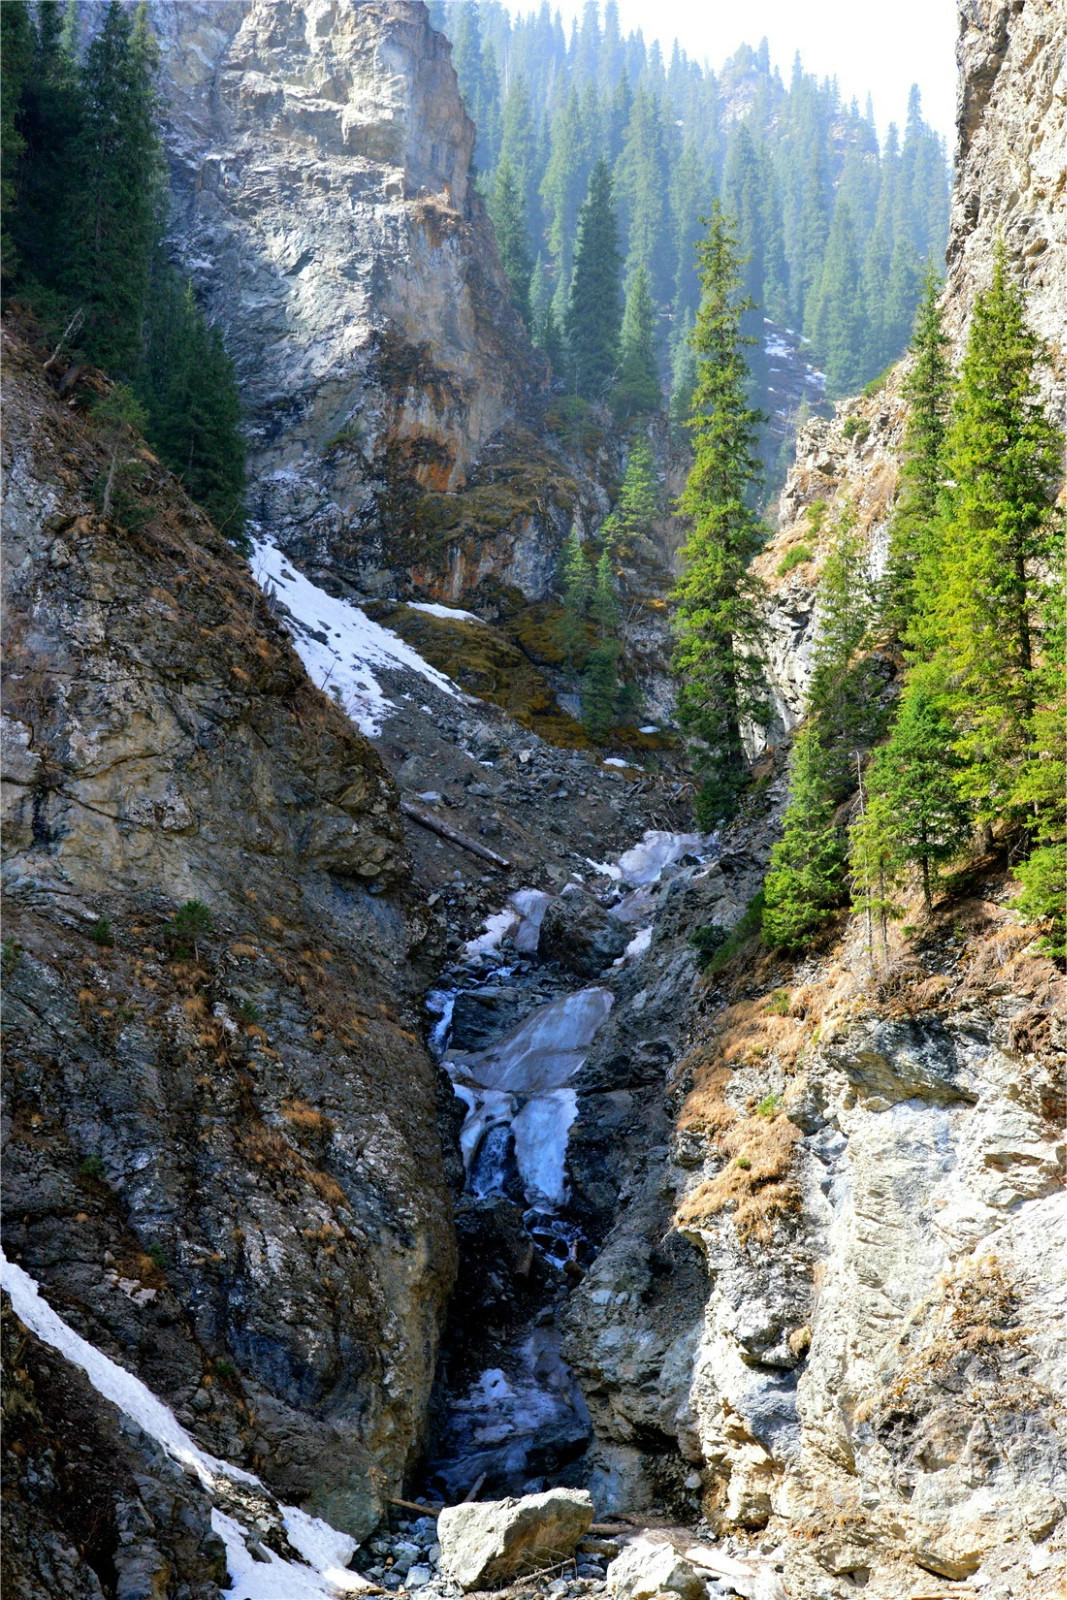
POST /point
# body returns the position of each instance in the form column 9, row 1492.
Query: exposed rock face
column 320, row 157
column 89, row 1500
column 484, row 1544
column 222, row 1155
column 1011, row 155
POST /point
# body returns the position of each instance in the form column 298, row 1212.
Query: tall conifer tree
column 720, row 680
column 594, row 312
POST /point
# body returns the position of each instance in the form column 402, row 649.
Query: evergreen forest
column 835, row 228
column 84, row 214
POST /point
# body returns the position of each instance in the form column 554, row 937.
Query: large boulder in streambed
column 486, row 1543
column 577, row 932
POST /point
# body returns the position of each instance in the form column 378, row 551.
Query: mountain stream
column 513, row 1032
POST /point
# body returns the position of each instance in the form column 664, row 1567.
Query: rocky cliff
column 222, row 1156
column 867, row 1159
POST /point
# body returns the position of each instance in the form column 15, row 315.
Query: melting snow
column 615, row 761
column 638, row 944
column 657, row 850
column 497, row 927
column 325, row 1549
column 449, row 613
column 348, row 644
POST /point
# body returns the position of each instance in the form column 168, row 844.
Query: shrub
column 91, row 1167
column 857, row 429
column 739, row 935
column 768, row 1106
column 102, row 931
column 794, row 558
column 779, row 1003
column 192, row 922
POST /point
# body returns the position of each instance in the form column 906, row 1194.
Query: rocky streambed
column 514, row 1021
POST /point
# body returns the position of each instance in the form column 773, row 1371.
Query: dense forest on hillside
column 836, row 226
column 84, row 210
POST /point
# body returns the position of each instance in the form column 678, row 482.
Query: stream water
column 513, row 1033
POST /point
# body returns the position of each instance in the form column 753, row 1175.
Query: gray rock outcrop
column 577, row 932
column 651, row 1566
column 221, row 1145
column 484, row 1544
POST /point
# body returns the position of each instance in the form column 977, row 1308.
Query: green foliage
column 16, row 51
column 779, row 1003
column 115, row 212
column 576, row 583
column 594, row 312
column 635, row 509
column 192, row 922
column 121, row 418
column 987, row 621
column 916, row 817
column 248, row 1012
column 723, row 950
column 157, row 1255
column 638, row 388
column 744, row 1163
column 12, row 954
column 769, row 1106
column 806, row 880
column 914, row 531
column 508, row 212
column 86, row 225
column 224, row 1367
column 794, row 558
column 193, row 409
column 600, row 681
column 857, row 430
column 102, row 933
column 719, row 623
column 91, row 1167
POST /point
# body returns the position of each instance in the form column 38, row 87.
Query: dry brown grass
column 755, row 1183
column 305, row 1116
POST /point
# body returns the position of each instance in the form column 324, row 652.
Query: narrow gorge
column 401, row 1111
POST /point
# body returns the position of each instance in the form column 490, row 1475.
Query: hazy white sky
column 879, row 48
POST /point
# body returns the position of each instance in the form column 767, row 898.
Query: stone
column 484, row 1544
column 648, row 1567
column 580, row 934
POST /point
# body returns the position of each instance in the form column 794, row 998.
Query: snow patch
column 339, row 644
column 449, row 613
column 638, row 945
column 326, row 1550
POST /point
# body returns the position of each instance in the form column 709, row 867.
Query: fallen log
column 453, row 835
column 414, row 1505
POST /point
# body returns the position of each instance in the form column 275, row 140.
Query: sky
column 876, row 48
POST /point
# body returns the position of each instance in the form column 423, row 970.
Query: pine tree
column 192, row 405
column 1003, row 458
column 509, row 225
column 576, row 582
column 17, row 46
column 50, row 179
column 913, row 532
column 806, row 880
column 642, row 190
column 600, row 681
column 116, row 215
column 594, row 312
column 638, row 388
column 920, row 820
column 719, row 623
column 565, row 179
column 1040, row 791
column 635, row 510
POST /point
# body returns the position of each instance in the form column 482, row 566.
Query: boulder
column 649, row 1567
column 580, row 934
column 486, row 1543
